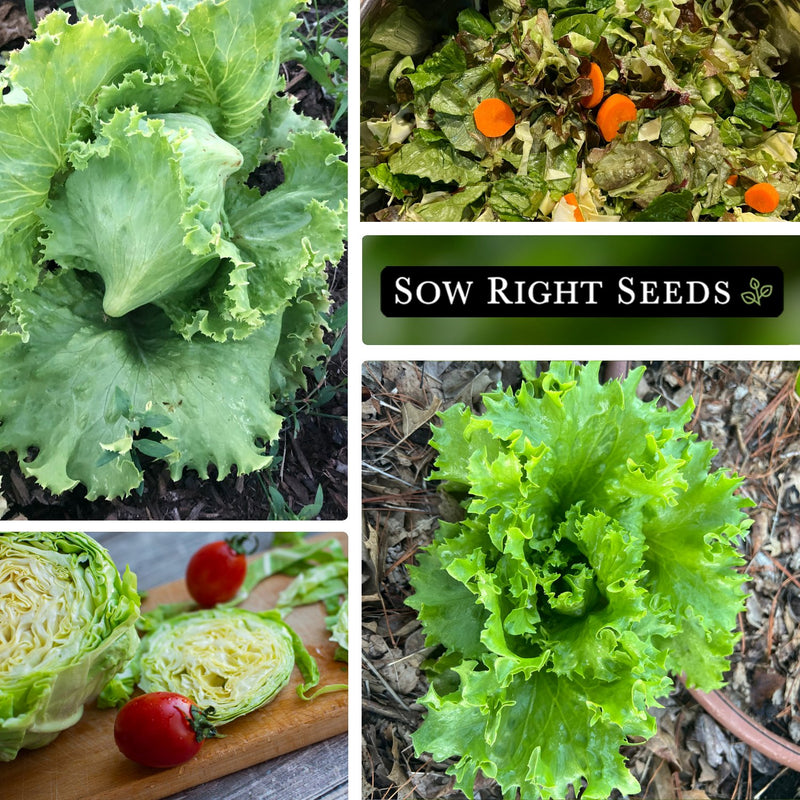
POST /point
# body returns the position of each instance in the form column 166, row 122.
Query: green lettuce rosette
column 152, row 302
column 597, row 556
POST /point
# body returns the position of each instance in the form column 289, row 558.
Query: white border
column 358, row 353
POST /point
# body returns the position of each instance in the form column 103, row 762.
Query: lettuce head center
column 44, row 610
column 218, row 664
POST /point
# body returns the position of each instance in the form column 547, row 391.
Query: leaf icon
column 766, row 291
column 754, row 284
column 750, row 298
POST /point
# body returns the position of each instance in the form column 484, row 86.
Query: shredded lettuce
column 596, row 555
column 711, row 82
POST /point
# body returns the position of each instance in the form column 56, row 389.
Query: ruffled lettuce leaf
column 596, row 556
column 108, row 219
column 230, row 51
column 49, row 82
column 100, row 383
column 296, row 228
column 276, row 245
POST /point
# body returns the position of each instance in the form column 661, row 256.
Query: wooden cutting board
column 83, row 763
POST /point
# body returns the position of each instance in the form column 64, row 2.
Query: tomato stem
column 202, row 726
column 242, row 544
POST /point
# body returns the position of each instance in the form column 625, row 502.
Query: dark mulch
column 312, row 451
column 750, row 411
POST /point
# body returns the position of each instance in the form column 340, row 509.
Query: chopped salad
column 584, row 110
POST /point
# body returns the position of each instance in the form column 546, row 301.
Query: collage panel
column 106, row 636
column 172, row 275
column 580, row 579
column 173, row 399
column 579, row 111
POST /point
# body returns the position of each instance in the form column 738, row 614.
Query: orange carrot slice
column 615, row 111
column 732, row 180
column 493, row 117
column 762, row 197
column 598, row 86
column 573, row 201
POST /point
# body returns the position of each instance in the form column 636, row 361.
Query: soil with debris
column 752, row 415
column 312, row 450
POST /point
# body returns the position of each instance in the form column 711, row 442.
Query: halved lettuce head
column 230, row 659
column 66, row 628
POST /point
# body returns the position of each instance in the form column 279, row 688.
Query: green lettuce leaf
column 210, row 401
column 127, row 243
column 437, row 161
column 50, row 81
column 294, row 229
column 670, row 207
column 768, row 102
column 231, row 52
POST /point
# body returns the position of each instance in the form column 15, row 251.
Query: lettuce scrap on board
column 66, row 628
column 150, row 300
column 597, row 555
column 711, row 81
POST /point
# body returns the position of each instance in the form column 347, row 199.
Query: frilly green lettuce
column 596, row 556
column 135, row 383
column 143, row 284
column 129, row 243
column 66, row 629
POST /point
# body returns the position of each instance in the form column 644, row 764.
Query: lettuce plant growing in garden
column 597, row 556
column 150, row 299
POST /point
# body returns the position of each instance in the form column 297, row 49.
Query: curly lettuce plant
column 151, row 301
column 66, row 628
column 596, row 556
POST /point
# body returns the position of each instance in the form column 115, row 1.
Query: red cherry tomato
column 161, row 729
column 216, row 571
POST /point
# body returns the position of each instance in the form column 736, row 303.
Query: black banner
column 471, row 291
